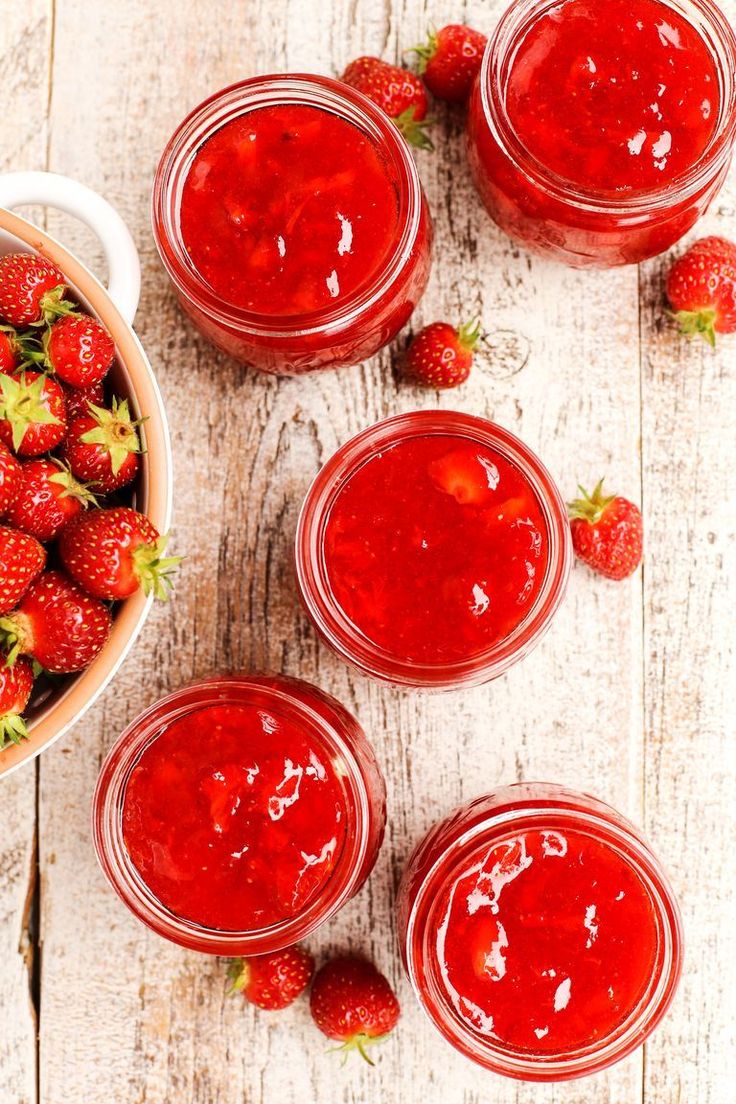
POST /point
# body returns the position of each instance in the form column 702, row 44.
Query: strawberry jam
column 593, row 118
column 541, row 933
column 248, row 809
column 289, row 209
column 435, row 545
column 289, row 214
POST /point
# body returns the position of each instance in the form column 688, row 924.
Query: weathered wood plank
column 25, row 38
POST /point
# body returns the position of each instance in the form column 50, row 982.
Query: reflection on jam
column 614, row 95
column 546, row 942
column 233, row 818
column 289, row 209
column 436, row 548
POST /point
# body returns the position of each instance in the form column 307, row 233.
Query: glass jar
column 334, row 735
column 550, row 215
column 349, row 330
column 510, row 814
column 347, row 639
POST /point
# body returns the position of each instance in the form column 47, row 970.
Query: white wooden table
column 630, row 695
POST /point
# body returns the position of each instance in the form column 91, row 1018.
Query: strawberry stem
column 697, row 322
column 116, row 431
column 12, row 730
column 590, row 507
column 426, row 50
column 54, row 305
column 414, row 130
column 468, row 334
column 238, row 973
column 153, row 571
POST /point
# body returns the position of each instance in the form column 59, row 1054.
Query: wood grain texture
column 623, row 697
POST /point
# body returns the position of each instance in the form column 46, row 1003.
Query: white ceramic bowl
column 131, row 377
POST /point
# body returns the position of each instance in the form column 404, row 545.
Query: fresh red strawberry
column 353, row 1003
column 9, row 479
column 272, row 981
column 450, row 61
column 57, row 624
column 16, row 683
column 47, row 499
column 78, row 399
column 32, row 413
column 398, row 92
column 31, row 290
column 113, row 552
column 22, row 559
column 441, row 356
column 79, row 350
column 17, row 350
column 607, row 532
column 102, row 447
column 701, row 288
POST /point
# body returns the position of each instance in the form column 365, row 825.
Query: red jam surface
column 546, row 942
column 289, row 209
column 614, row 95
column 234, row 817
column 435, row 548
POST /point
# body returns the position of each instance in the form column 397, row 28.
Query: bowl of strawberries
column 85, row 468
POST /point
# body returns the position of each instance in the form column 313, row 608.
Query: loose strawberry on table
column 450, row 60
column 32, row 413
column 48, row 496
column 272, row 981
column 353, row 1003
column 701, row 288
column 16, row 683
column 79, row 350
column 10, row 478
column 111, row 553
column 31, row 290
column 56, row 623
column 607, row 532
column 441, row 355
column 22, row 558
column 102, row 446
column 398, row 92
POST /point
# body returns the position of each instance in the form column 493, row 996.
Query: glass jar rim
column 494, row 71
column 233, row 101
column 345, row 637
column 109, row 797
column 620, row 835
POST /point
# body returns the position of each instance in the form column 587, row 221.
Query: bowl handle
column 19, row 189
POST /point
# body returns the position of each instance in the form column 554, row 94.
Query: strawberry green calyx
column 590, row 507
column 238, row 973
column 116, row 431
column 414, row 130
column 468, row 335
column 53, row 305
column 71, row 487
column 12, row 730
column 22, row 404
column 701, row 322
column 426, row 50
column 153, row 571
column 12, row 638
column 360, row 1043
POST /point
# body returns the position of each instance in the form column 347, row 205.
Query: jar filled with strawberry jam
column 539, row 932
column 600, row 130
column 290, row 218
column 433, row 550
column 238, row 814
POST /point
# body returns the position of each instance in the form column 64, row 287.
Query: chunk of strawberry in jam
column 467, row 475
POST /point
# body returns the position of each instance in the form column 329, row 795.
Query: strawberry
column 102, row 446
column 272, row 981
column 31, row 290
column 32, row 413
column 17, row 350
column 607, row 533
column 16, row 683
column 78, row 399
column 470, row 479
column 9, row 479
column 113, row 552
column 701, row 288
column 47, row 499
column 57, row 624
column 450, row 61
column 22, row 558
column 353, row 1003
column 79, row 350
column 397, row 91
column 442, row 356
